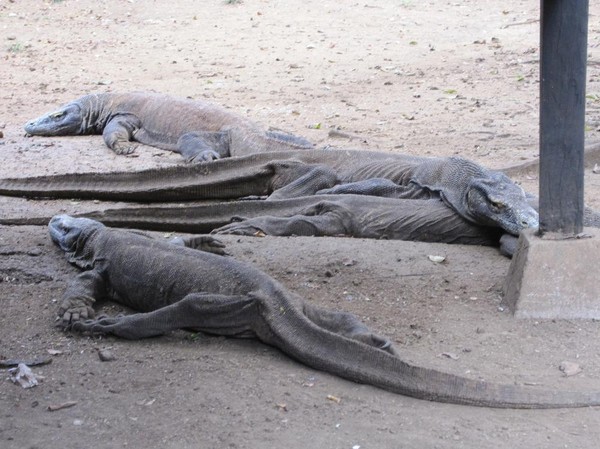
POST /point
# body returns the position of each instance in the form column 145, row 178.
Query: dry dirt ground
column 430, row 78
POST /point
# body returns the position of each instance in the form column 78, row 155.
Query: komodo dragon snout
column 67, row 120
column 497, row 201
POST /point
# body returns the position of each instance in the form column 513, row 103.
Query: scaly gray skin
column 346, row 215
column 349, row 215
column 182, row 288
column 199, row 131
column 477, row 194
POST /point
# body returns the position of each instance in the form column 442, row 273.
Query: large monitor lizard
column 479, row 195
column 198, row 130
column 358, row 216
column 348, row 215
column 182, row 288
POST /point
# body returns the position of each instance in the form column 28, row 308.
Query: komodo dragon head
column 483, row 196
column 70, row 234
column 497, row 201
column 67, row 121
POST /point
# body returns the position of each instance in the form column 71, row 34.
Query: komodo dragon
column 349, row 215
column 198, row 130
column 319, row 215
column 482, row 196
column 182, row 288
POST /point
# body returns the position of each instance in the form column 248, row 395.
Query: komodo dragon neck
column 95, row 112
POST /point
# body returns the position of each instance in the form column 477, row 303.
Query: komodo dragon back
column 196, row 129
column 185, row 288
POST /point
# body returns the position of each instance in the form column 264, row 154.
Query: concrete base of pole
column 551, row 278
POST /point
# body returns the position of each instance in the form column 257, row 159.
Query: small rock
column 333, row 398
column 23, row 376
column 450, row 355
column 56, row 407
column 596, row 169
column 105, row 355
column 436, row 259
column 570, row 368
column 281, row 407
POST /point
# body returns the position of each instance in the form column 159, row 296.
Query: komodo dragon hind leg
column 296, row 141
column 203, row 146
column 347, row 325
column 313, row 179
column 210, row 313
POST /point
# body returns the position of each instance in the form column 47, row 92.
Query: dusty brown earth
column 431, row 78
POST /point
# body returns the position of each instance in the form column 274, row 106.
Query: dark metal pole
column 563, row 55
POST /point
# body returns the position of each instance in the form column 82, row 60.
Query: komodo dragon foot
column 204, row 243
column 203, row 156
column 124, row 149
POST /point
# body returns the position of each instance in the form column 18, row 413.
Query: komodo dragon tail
column 359, row 362
column 232, row 178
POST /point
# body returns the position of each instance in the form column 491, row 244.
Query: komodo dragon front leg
column 119, row 132
column 229, row 315
column 83, row 291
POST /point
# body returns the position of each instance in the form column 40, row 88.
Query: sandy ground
column 429, row 78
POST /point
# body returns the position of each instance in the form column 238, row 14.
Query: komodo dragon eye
column 57, row 114
column 497, row 205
